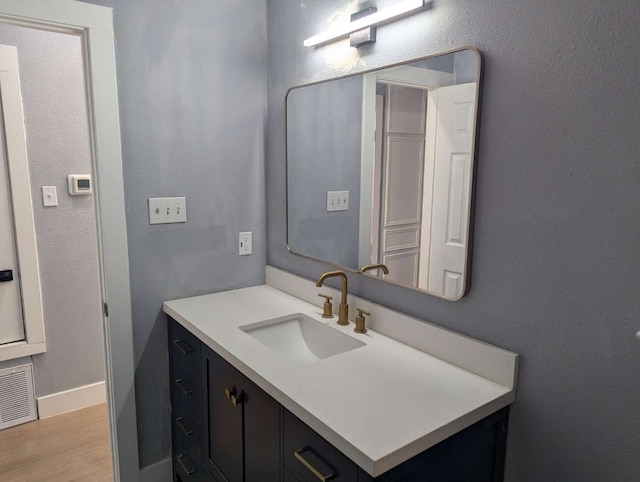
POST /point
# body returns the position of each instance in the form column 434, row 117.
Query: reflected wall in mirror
column 379, row 171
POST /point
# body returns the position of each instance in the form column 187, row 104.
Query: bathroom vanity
column 251, row 401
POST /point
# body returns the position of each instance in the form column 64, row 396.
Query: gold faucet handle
column 328, row 307
column 360, row 321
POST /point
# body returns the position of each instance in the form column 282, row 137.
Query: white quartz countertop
column 379, row 404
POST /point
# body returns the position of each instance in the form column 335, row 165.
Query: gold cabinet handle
column 324, row 474
column 236, row 399
column 185, row 391
column 186, row 464
column 183, row 346
column 186, row 430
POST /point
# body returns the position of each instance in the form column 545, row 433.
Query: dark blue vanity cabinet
column 227, row 429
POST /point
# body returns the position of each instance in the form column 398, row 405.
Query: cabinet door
column 261, row 435
column 223, row 418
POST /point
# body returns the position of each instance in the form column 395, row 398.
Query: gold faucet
column 369, row 267
column 343, row 310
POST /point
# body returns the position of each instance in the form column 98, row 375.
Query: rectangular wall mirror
column 380, row 171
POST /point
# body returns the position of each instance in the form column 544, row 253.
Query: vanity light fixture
column 357, row 24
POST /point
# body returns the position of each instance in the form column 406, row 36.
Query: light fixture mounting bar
column 378, row 18
column 366, row 36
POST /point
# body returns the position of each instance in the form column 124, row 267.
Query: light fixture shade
column 382, row 16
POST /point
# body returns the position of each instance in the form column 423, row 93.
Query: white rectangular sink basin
column 300, row 338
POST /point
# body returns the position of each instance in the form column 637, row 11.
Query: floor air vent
column 17, row 397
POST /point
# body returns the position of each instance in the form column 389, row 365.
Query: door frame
column 94, row 25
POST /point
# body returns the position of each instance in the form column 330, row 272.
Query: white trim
column 159, row 472
column 94, row 24
column 367, row 162
column 20, row 349
column 20, row 188
column 59, row 14
column 70, row 400
column 427, row 194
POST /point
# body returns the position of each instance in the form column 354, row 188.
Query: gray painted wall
column 52, row 82
column 192, row 83
column 556, row 257
column 325, row 130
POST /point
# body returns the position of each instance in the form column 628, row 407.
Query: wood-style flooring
column 69, row 447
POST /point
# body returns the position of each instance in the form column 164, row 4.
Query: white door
column 11, row 320
column 21, row 317
column 401, row 193
column 453, row 146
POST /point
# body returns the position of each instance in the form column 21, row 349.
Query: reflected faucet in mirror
column 371, row 267
column 343, row 309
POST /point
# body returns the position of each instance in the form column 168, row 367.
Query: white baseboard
column 70, row 400
column 159, row 472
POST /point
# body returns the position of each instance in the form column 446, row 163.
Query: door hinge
column 106, row 309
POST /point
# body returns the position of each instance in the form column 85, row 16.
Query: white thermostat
column 80, row 184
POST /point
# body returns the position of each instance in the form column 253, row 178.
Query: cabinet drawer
column 310, row 457
column 186, row 470
column 209, row 477
column 184, row 348
column 288, row 476
column 187, row 433
column 186, row 389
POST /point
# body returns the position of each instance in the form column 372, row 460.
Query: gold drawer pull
column 183, row 346
column 317, row 462
column 185, row 391
column 186, row 464
column 187, row 431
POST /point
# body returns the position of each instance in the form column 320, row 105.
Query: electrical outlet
column 166, row 210
column 337, row 201
column 244, row 243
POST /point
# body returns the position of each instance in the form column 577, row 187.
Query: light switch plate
column 337, row 201
column 167, row 210
column 49, row 196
